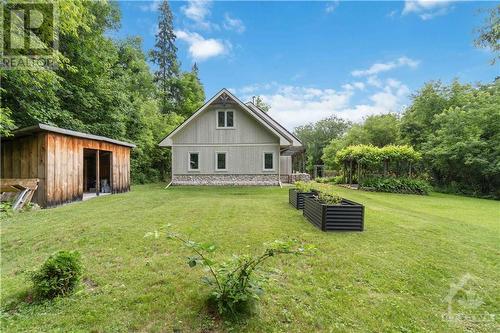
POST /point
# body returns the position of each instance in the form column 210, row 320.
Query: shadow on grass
column 14, row 303
column 28, row 299
column 236, row 320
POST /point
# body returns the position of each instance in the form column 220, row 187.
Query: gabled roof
column 49, row 128
column 285, row 138
column 295, row 141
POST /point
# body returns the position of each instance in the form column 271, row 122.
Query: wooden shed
column 68, row 164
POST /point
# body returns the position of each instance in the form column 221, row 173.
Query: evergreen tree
column 164, row 55
column 195, row 70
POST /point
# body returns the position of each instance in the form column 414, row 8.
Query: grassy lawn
column 393, row 277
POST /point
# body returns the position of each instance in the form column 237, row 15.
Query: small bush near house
column 396, row 185
column 329, row 198
column 330, row 180
column 235, row 284
column 304, row 186
column 58, row 276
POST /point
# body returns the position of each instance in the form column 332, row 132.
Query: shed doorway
column 97, row 172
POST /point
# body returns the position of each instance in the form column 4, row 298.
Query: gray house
column 228, row 142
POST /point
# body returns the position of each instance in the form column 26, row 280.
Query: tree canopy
column 315, row 136
column 489, row 35
column 103, row 86
column 455, row 128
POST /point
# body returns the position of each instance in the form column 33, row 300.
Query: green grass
column 393, row 277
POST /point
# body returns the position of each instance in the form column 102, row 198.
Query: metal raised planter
column 347, row 216
column 296, row 198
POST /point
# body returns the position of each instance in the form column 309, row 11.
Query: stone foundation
column 294, row 177
column 225, row 180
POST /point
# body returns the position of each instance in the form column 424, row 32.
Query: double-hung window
column 194, row 161
column 225, row 119
column 268, row 162
column 220, row 161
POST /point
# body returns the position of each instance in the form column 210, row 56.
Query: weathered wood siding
column 57, row 160
column 26, row 157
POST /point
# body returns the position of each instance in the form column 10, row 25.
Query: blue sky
column 310, row 60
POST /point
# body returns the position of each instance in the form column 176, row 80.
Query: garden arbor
column 361, row 160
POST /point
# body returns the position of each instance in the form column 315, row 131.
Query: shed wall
column 26, row 157
column 57, row 160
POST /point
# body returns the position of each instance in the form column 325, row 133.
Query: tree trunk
column 350, row 172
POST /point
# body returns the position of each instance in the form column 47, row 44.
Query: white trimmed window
column 220, row 161
column 194, row 161
column 268, row 161
column 225, row 119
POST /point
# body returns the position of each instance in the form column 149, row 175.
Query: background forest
column 106, row 86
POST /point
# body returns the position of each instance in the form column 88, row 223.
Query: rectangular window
column 221, row 119
column 194, row 161
column 269, row 161
column 220, row 161
column 225, row 119
column 229, row 119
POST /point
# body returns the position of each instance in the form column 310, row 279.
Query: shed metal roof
column 49, row 128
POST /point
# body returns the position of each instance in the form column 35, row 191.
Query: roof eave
column 44, row 127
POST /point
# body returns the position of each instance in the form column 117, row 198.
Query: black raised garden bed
column 347, row 216
column 296, row 198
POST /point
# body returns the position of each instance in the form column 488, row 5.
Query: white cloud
column 392, row 13
column 150, row 6
column 256, row 87
column 431, row 15
column 198, row 11
column 293, row 106
column 232, row 23
column 354, row 85
column 374, row 81
column 296, row 105
column 331, row 6
column 426, row 9
column 384, row 67
column 201, row 48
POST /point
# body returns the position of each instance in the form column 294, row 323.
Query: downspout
column 171, row 167
column 279, row 167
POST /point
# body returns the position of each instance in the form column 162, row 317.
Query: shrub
column 234, row 282
column 329, row 199
column 59, row 275
column 6, row 209
column 369, row 155
column 331, row 180
column 396, row 185
column 304, row 186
